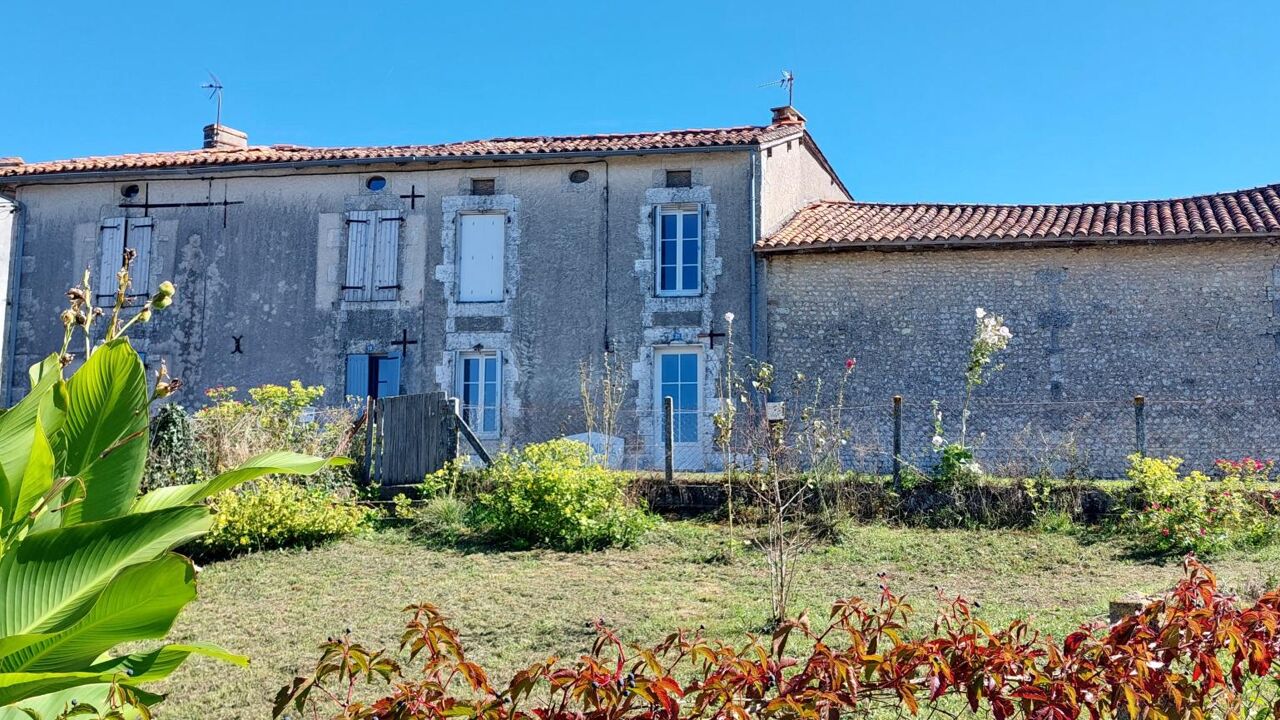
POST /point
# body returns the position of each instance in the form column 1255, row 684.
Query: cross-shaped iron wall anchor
column 237, row 350
column 711, row 338
column 404, row 342
column 413, row 197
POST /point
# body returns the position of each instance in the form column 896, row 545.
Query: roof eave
column 1008, row 243
column 70, row 175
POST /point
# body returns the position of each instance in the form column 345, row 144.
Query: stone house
column 488, row 269
column 492, row 269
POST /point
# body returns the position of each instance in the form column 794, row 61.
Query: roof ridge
column 1250, row 212
column 1084, row 203
column 475, row 146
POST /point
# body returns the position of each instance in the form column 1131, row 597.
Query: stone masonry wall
column 1192, row 327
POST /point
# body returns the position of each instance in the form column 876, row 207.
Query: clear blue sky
column 1023, row 101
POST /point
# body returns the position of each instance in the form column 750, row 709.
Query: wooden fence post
column 369, row 405
column 455, row 405
column 669, row 436
column 1140, row 423
column 897, row 441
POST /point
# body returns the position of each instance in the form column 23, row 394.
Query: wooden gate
column 408, row 437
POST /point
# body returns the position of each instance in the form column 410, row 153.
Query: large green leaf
column 37, row 479
column 52, row 578
column 135, row 669
column 103, row 440
column 94, row 695
column 140, row 603
column 159, row 663
column 15, row 687
column 17, row 428
column 272, row 463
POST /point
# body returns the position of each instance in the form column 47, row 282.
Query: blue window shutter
column 389, row 375
column 386, row 251
column 357, row 376
column 110, row 258
column 359, row 282
column 139, row 238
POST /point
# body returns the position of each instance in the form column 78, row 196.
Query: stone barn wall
column 1192, row 327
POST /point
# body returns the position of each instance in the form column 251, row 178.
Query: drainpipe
column 16, row 252
column 754, row 319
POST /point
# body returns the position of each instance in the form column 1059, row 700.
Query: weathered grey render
column 488, row 269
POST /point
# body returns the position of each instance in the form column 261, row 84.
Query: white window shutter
column 481, row 246
column 139, row 239
column 358, row 285
column 386, row 255
column 110, row 258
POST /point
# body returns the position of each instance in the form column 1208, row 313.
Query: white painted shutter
column 481, row 241
column 139, row 238
column 110, row 258
column 360, row 230
column 386, row 255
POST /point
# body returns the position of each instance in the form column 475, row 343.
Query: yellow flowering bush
column 276, row 513
column 557, row 494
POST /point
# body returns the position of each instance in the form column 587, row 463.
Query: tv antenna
column 788, row 82
column 214, row 86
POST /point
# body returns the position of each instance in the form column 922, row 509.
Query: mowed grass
column 517, row 607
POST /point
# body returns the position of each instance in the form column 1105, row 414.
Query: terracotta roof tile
column 619, row 142
column 858, row 224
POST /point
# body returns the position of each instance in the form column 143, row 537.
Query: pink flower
column 1164, row 531
column 849, row 363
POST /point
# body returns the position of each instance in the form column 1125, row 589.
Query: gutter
column 17, row 250
column 202, row 170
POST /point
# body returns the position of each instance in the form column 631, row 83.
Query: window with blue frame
column 678, row 380
column 373, row 375
column 679, row 250
column 480, row 389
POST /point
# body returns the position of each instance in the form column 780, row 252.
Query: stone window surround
column 447, row 272
column 456, row 341
column 644, row 370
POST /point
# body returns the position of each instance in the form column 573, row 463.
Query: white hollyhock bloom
column 937, row 441
column 980, row 313
column 728, row 317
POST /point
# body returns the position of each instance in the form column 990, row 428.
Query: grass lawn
column 516, row 607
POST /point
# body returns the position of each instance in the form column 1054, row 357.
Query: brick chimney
column 787, row 115
column 221, row 137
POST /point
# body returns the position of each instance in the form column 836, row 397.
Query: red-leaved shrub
column 1196, row 653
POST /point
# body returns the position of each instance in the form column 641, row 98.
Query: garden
column 543, row 585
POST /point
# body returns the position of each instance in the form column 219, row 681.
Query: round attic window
column 579, row 176
column 376, row 183
column 129, row 191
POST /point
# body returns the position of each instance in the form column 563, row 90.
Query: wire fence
column 1011, row 437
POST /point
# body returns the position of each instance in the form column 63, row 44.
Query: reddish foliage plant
column 1196, row 653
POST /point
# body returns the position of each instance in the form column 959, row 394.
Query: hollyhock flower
column 849, row 363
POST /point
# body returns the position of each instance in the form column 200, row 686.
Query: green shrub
column 275, row 513
column 175, row 456
column 440, row 519
column 229, row 429
column 556, row 494
column 1192, row 513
